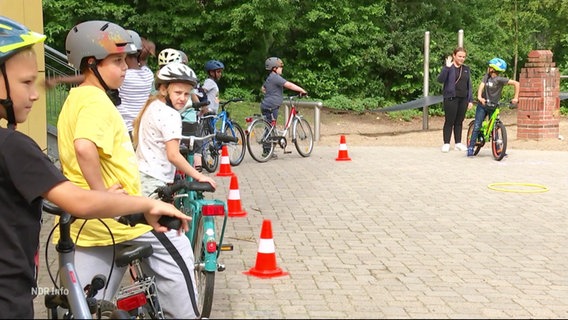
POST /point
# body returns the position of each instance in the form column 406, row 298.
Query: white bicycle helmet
column 169, row 55
column 176, row 72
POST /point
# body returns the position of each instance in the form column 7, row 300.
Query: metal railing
column 56, row 66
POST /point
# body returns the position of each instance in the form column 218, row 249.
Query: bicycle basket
column 189, row 128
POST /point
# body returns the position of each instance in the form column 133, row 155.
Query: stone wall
column 538, row 115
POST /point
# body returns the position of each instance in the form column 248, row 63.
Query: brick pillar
column 538, row 114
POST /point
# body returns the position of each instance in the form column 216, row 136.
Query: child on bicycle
column 96, row 153
column 488, row 96
column 214, row 69
column 27, row 176
column 273, row 89
column 158, row 129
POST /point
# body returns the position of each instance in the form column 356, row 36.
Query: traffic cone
column 342, row 154
column 225, row 169
column 265, row 266
column 234, row 199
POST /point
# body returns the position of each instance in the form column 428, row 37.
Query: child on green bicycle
column 273, row 89
column 488, row 95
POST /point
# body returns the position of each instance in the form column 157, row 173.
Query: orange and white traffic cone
column 342, row 154
column 265, row 266
column 234, row 199
column 225, row 168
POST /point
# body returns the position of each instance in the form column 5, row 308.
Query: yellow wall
column 30, row 14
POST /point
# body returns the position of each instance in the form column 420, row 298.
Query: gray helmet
column 97, row 39
column 273, row 62
column 176, row 72
column 135, row 39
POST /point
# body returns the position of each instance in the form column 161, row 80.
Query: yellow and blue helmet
column 15, row 37
column 498, row 64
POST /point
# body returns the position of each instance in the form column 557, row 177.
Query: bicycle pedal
column 287, row 151
column 226, row 247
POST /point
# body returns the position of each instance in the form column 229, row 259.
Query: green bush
column 231, row 93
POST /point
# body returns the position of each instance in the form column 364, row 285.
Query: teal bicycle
column 492, row 130
column 205, row 237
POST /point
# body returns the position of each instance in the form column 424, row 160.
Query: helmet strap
column 8, row 103
column 112, row 94
column 169, row 102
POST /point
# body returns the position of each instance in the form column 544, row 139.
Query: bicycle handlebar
column 166, row 193
column 195, row 105
column 136, row 218
column 218, row 136
column 131, row 220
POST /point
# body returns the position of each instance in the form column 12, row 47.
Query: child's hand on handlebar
column 159, row 209
column 204, row 178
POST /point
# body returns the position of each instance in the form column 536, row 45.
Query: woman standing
column 456, row 80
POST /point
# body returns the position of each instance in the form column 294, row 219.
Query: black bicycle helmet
column 273, row 62
column 214, row 65
column 14, row 37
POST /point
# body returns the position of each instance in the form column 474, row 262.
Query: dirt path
column 377, row 129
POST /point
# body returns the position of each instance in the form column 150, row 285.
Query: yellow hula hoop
column 536, row 188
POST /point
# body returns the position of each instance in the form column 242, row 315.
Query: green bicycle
column 492, row 130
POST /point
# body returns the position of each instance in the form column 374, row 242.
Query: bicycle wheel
column 303, row 137
column 209, row 152
column 259, row 143
column 479, row 142
column 499, row 141
column 204, row 280
column 236, row 149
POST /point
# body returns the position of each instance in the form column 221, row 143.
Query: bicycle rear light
column 213, row 210
column 249, row 119
column 131, row 302
column 211, row 246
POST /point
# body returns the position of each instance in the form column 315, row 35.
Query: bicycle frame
column 490, row 125
column 206, row 242
column 71, row 294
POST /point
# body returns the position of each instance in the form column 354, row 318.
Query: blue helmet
column 15, row 37
column 498, row 64
column 214, row 65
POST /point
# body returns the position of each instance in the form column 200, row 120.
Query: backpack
column 201, row 94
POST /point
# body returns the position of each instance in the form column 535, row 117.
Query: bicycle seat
column 133, row 252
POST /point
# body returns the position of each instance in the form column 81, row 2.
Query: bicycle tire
column 204, row 280
column 257, row 139
column 209, row 152
column 108, row 310
column 303, row 136
column 499, row 141
column 237, row 149
column 480, row 142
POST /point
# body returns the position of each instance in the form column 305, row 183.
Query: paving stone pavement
column 398, row 232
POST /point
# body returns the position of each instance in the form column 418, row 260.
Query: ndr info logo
column 43, row 291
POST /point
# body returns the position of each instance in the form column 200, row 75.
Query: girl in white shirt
column 158, row 129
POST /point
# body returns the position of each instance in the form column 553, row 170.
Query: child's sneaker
column 470, row 152
column 460, row 147
column 446, row 147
